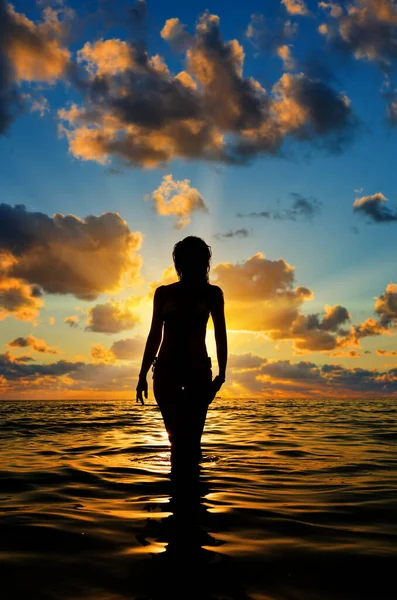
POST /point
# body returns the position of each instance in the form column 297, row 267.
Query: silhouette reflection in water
column 182, row 372
column 190, row 567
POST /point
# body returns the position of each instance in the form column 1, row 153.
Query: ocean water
column 295, row 499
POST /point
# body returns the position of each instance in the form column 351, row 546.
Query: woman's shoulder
column 215, row 292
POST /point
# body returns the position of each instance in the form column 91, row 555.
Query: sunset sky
column 267, row 128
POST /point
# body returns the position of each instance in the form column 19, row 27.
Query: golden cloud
column 36, row 50
column 295, row 7
column 178, row 198
column 106, row 56
column 18, row 299
column 64, row 254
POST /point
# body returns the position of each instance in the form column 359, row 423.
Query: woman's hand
column 141, row 390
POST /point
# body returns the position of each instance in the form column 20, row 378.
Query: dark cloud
column 12, row 369
column 386, row 352
column 302, row 209
column 21, row 300
column 112, row 317
column 386, row 306
column 266, row 214
column 32, row 342
column 238, row 233
column 262, row 376
column 9, row 99
column 67, row 255
column 374, row 208
column 72, row 321
column 366, row 29
column 140, row 113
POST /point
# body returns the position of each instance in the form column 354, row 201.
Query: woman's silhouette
column 182, row 374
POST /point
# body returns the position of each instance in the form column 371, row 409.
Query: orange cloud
column 178, row 198
column 72, row 321
column 284, row 52
column 36, row 50
column 18, row 299
column 295, row 7
column 106, row 57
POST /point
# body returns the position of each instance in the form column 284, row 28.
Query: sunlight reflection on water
column 295, row 500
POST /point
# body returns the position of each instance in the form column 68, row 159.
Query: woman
column 182, row 375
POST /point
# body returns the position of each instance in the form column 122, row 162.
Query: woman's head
column 192, row 259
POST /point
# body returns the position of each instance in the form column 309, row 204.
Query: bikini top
column 188, row 309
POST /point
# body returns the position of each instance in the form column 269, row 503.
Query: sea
column 294, row 500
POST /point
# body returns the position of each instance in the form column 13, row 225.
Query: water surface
column 295, row 500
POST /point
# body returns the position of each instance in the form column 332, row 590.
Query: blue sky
column 345, row 257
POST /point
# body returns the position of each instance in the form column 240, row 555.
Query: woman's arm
column 152, row 345
column 218, row 317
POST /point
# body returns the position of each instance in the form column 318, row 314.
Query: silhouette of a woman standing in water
column 182, row 374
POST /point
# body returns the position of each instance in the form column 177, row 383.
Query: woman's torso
column 185, row 311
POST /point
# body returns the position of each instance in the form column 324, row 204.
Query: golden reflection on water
column 290, row 501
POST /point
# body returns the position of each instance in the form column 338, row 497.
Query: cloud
column 138, row 112
column 269, row 378
column 385, row 309
column 72, row 321
column 374, row 208
column 18, row 299
column 126, row 349
column 36, row 50
column 129, row 349
column 100, row 355
column 302, row 209
column 348, row 354
column 37, row 103
column 178, row 198
column 248, row 375
column 32, row 342
column 12, row 369
column 365, row 28
column 239, row 233
column 259, row 293
column 386, row 352
column 9, row 97
column 386, row 306
column 67, row 255
column 260, row 296
column 175, row 34
column 105, row 57
column 113, row 317
column 269, row 34
column 244, row 362
column 33, row 52
column 295, row 7
column 168, row 276
column 284, row 52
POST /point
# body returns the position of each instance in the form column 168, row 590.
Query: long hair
column 192, row 259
